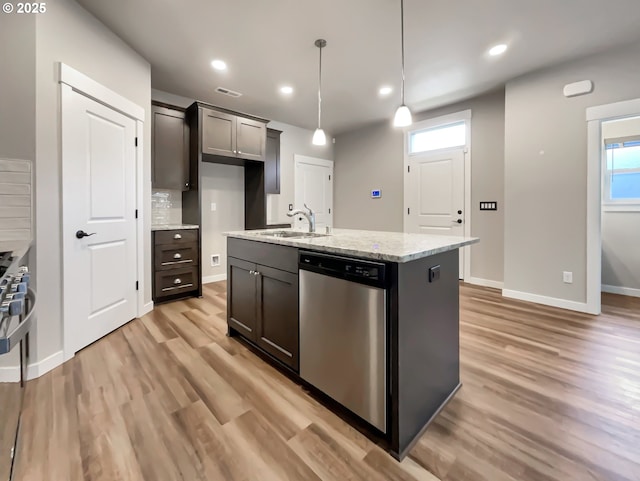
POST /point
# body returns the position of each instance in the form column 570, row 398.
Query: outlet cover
column 215, row 260
column 567, row 277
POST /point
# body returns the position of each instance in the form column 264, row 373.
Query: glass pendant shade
column 402, row 117
column 319, row 138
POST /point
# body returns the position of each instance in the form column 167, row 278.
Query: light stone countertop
column 173, row 226
column 386, row 246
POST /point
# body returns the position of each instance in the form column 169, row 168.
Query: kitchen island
column 368, row 321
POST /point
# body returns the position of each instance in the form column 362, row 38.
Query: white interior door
column 314, row 187
column 435, row 195
column 99, row 190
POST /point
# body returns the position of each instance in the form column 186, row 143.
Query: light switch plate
column 567, row 277
column 213, row 207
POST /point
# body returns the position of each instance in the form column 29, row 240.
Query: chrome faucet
column 311, row 217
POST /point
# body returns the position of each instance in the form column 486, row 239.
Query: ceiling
column 270, row 43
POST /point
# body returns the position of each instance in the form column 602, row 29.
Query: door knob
column 459, row 221
column 80, row 234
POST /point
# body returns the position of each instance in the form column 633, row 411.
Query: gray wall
column 372, row 157
column 545, row 170
column 621, row 230
column 18, row 86
column 67, row 33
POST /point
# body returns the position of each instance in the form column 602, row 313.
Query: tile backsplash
column 16, row 199
column 166, row 207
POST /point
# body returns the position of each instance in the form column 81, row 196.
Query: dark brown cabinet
column 169, row 148
column 272, row 162
column 228, row 135
column 263, row 299
column 176, row 264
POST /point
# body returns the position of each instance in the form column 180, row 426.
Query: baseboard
column 548, row 301
column 47, row 364
column 148, row 307
column 623, row 291
column 34, row 370
column 216, row 278
column 485, row 282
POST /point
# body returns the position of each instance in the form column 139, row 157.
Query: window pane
column 623, row 158
column 452, row 135
column 625, row 186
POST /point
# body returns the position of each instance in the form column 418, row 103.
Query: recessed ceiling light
column 219, row 65
column 385, row 90
column 497, row 50
column 287, row 90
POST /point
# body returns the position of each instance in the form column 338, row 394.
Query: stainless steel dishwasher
column 343, row 326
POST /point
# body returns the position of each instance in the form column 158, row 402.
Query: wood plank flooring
column 547, row 395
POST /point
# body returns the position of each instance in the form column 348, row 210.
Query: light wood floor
column 547, row 395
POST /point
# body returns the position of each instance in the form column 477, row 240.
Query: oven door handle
column 14, row 337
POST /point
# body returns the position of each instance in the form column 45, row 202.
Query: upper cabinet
column 272, row 163
column 232, row 136
column 169, row 148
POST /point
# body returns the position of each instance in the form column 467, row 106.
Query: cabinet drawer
column 168, row 256
column 182, row 236
column 176, row 281
column 271, row 255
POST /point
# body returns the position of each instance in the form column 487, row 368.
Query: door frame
column 595, row 149
column 465, row 116
column 71, row 81
column 314, row 161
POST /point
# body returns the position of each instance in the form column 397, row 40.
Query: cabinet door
column 277, row 329
column 242, row 297
column 272, row 163
column 218, row 133
column 170, row 149
column 252, row 139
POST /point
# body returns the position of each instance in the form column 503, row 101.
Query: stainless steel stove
column 17, row 313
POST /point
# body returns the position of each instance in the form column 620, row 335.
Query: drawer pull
column 177, row 236
column 177, row 281
column 178, row 287
column 177, row 255
column 173, row 263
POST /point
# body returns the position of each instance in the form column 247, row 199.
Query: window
column 440, row 137
column 622, row 172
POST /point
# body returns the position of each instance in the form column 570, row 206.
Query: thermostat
column 376, row 194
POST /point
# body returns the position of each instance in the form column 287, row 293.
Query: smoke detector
column 230, row 93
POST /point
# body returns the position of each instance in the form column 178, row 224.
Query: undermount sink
column 294, row 234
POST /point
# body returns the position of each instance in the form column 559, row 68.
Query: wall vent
column 230, row 93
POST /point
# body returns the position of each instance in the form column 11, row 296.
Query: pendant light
column 319, row 137
column 403, row 114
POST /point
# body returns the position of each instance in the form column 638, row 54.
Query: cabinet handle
column 256, row 273
column 235, row 152
column 177, row 236
column 177, row 281
column 252, row 272
column 177, row 255
column 239, row 151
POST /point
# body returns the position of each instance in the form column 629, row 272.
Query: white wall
column 67, row 33
column 621, row 230
column 546, row 169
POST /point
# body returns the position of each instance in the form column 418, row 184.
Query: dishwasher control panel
column 345, row 267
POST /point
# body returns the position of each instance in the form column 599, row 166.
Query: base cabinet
column 263, row 299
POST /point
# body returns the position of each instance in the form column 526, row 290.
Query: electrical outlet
column 215, row 260
column 567, row 277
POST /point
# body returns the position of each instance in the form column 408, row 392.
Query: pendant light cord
column 320, row 89
column 402, row 44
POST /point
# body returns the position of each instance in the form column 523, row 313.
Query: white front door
column 99, row 190
column 435, row 195
column 314, row 187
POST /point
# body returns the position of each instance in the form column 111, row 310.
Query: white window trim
column 464, row 115
column 615, row 205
